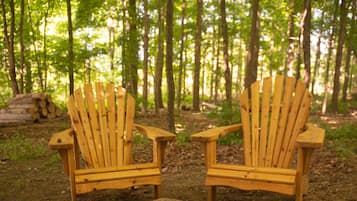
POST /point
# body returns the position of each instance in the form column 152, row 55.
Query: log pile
column 29, row 108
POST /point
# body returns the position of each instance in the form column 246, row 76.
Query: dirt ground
column 41, row 178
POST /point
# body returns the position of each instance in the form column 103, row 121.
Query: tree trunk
column 45, row 66
column 196, row 78
column 70, row 48
column 125, row 71
column 299, row 59
column 289, row 61
column 9, row 40
column 227, row 72
column 253, row 53
column 182, row 45
column 159, row 61
column 329, row 54
column 22, row 47
column 341, row 39
column 133, row 48
column 317, row 63
column 169, row 71
column 349, row 52
column 306, row 41
column 146, row 56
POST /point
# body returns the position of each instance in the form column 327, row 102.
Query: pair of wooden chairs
column 274, row 126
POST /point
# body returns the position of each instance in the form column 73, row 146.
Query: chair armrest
column 155, row 134
column 312, row 137
column 214, row 133
column 62, row 140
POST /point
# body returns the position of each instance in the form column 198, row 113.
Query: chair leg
column 157, row 191
column 211, row 193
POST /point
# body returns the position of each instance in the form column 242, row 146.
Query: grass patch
column 183, row 139
column 18, row 147
column 344, row 139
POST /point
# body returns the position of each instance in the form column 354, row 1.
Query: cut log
column 42, row 103
column 51, row 107
column 51, row 115
column 26, row 117
column 58, row 112
column 44, row 112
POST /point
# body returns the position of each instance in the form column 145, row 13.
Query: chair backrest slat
column 77, row 125
column 87, row 131
column 289, row 84
column 299, row 93
column 111, row 124
column 267, row 84
column 272, row 120
column 245, row 115
column 129, row 122
column 121, row 97
column 103, row 123
column 94, row 122
column 255, row 102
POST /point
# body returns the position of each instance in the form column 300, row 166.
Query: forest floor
column 35, row 174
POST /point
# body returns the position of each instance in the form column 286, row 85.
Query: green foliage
column 18, row 147
column 140, row 139
column 231, row 138
column 226, row 115
column 183, row 139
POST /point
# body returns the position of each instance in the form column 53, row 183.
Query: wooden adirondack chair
column 101, row 135
column 273, row 127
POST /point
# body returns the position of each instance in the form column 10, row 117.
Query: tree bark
column 196, row 78
column 22, row 47
column 341, row 39
column 329, row 54
column 133, row 48
column 70, row 48
column 146, row 56
column 306, row 41
column 349, row 52
column 289, row 61
column 253, row 53
column 227, row 72
column 9, row 40
column 182, row 45
column 159, row 61
column 169, row 71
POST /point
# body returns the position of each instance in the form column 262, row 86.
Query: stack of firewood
column 29, row 108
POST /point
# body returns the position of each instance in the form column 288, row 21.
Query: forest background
column 178, row 54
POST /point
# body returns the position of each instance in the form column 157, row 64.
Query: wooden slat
column 94, row 121
column 111, row 124
column 244, row 110
column 244, row 184
column 264, row 120
column 312, row 137
column 299, row 92
column 274, row 119
column 120, row 174
column 300, row 120
column 267, row 170
column 79, row 130
column 86, row 126
column 129, row 122
column 121, row 96
column 255, row 122
column 114, row 169
column 252, row 175
column 103, row 122
column 118, row 184
column 289, row 85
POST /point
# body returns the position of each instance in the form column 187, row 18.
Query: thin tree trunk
column 227, row 72
column 349, row 52
column 182, row 45
column 253, row 53
column 125, row 71
column 9, row 39
column 196, row 78
column 299, row 59
column 22, row 47
column 169, row 71
column 70, row 48
column 45, row 66
column 289, row 61
column 159, row 61
column 146, row 56
column 341, row 39
column 133, row 48
column 317, row 64
column 306, row 41
column 329, row 54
